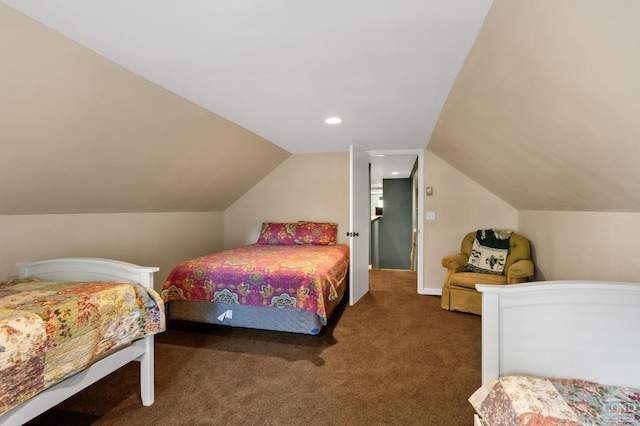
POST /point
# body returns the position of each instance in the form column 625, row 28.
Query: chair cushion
column 470, row 279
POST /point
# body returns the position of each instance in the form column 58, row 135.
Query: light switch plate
column 431, row 215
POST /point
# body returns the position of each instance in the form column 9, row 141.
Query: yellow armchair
column 458, row 289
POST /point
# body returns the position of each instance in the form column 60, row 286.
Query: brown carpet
column 394, row 358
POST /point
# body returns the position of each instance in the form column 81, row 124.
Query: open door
column 360, row 225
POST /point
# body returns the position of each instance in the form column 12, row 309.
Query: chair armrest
column 520, row 270
column 455, row 262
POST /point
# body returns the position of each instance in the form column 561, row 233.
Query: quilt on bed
column 529, row 400
column 52, row 330
column 283, row 276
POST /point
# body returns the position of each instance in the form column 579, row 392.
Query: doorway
column 409, row 165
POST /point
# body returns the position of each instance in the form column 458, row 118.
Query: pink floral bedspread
column 530, row 400
column 299, row 276
column 52, row 330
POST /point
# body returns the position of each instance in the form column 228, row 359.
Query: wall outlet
column 431, row 215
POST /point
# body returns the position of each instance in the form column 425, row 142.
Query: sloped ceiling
column 80, row 134
column 544, row 112
column 157, row 105
column 280, row 67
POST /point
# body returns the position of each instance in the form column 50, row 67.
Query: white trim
column 430, row 291
column 421, row 289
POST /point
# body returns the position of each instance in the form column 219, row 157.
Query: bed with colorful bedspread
column 290, row 280
column 51, row 330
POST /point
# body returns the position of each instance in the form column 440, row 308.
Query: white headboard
column 570, row 329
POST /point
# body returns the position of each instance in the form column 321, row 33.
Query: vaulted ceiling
column 280, row 67
column 157, row 105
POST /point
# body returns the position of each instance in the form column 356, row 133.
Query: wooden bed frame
column 142, row 350
column 562, row 329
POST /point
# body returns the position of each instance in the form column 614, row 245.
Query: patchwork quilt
column 530, row 400
column 282, row 276
column 50, row 330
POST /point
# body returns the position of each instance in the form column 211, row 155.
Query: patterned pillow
column 279, row 234
column 316, row 233
column 489, row 252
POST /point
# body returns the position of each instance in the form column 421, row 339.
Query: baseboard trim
column 430, row 291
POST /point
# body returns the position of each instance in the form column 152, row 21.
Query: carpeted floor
column 393, row 358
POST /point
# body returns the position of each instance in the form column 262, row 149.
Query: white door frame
column 420, row 213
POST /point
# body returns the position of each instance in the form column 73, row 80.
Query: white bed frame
column 142, row 350
column 562, row 329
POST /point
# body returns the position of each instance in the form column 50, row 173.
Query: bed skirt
column 260, row 317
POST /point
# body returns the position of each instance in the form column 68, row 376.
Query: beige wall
column 583, row 245
column 316, row 187
column 149, row 239
column 461, row 206
column 304, row 187
column 548, row 91
column 566, row 245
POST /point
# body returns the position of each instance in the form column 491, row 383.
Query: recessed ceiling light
column 333, row 120
column 394, row 173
